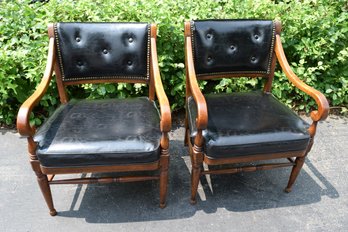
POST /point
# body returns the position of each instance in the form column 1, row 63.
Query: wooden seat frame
column 197, row 155
column 45, row 175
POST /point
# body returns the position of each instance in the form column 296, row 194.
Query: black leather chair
column 109, row 135
column 242, row 127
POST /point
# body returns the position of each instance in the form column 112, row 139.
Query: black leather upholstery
column 100, row 132
column 232, row 46
column 88, row 51
column 248, row 123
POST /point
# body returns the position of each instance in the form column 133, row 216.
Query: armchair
column 108, row 135
column 242, row 127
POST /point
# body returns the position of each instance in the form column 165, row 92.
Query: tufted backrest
column 94, row 51
column 223, row 47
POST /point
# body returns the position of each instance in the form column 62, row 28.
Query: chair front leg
column 164, row 164
column 197, row 162
column 41, row 178
column 44, row 186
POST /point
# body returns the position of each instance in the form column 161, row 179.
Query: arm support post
column 25, row 110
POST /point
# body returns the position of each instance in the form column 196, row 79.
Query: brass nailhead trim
column 192, row 41
column 148, row 52
column 271, row 51
column 59, row 52
column 106, row 77
column 231, row 72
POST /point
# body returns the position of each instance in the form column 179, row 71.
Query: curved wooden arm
column 202, row 111
column 320, row 99
column 23, row 116
column 166, row 121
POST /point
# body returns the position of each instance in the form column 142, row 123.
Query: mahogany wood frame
column 45, row 175
column 196, row 148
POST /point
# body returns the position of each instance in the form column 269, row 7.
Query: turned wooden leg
column 46, row 191
column 194, row 182
column 164, row 177
column 197, row 161
column 294, row 172
column 41, row 178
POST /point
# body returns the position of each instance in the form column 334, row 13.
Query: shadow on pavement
column 135, row 202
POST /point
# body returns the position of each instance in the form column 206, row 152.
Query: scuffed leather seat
column 99, row 133
column 242, row 127
column 124, row 135
column 248, row 123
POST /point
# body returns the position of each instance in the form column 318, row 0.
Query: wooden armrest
column 23, row 116
column 320, row 99
column 202, row 111
column 166, row 121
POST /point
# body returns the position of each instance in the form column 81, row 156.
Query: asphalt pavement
column 240, row 202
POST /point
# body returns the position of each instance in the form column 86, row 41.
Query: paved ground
column 241, row 202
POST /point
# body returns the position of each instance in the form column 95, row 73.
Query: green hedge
column 314, row 33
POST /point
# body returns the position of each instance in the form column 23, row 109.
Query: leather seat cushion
column 248, row 124
column 100, row 132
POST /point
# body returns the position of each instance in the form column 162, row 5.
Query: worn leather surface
column 248, row 123
column 232, row 46
column 100, row 132
column 102, row 50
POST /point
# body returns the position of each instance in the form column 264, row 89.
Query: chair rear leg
column 197, row 161
column 164, row 178
column 294, row 172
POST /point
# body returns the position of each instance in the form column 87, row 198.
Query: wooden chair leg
column 164, row 178
column 194, row 182
column 294, row 172
column 46, row 191
column 197, row 161
column 41, row 178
